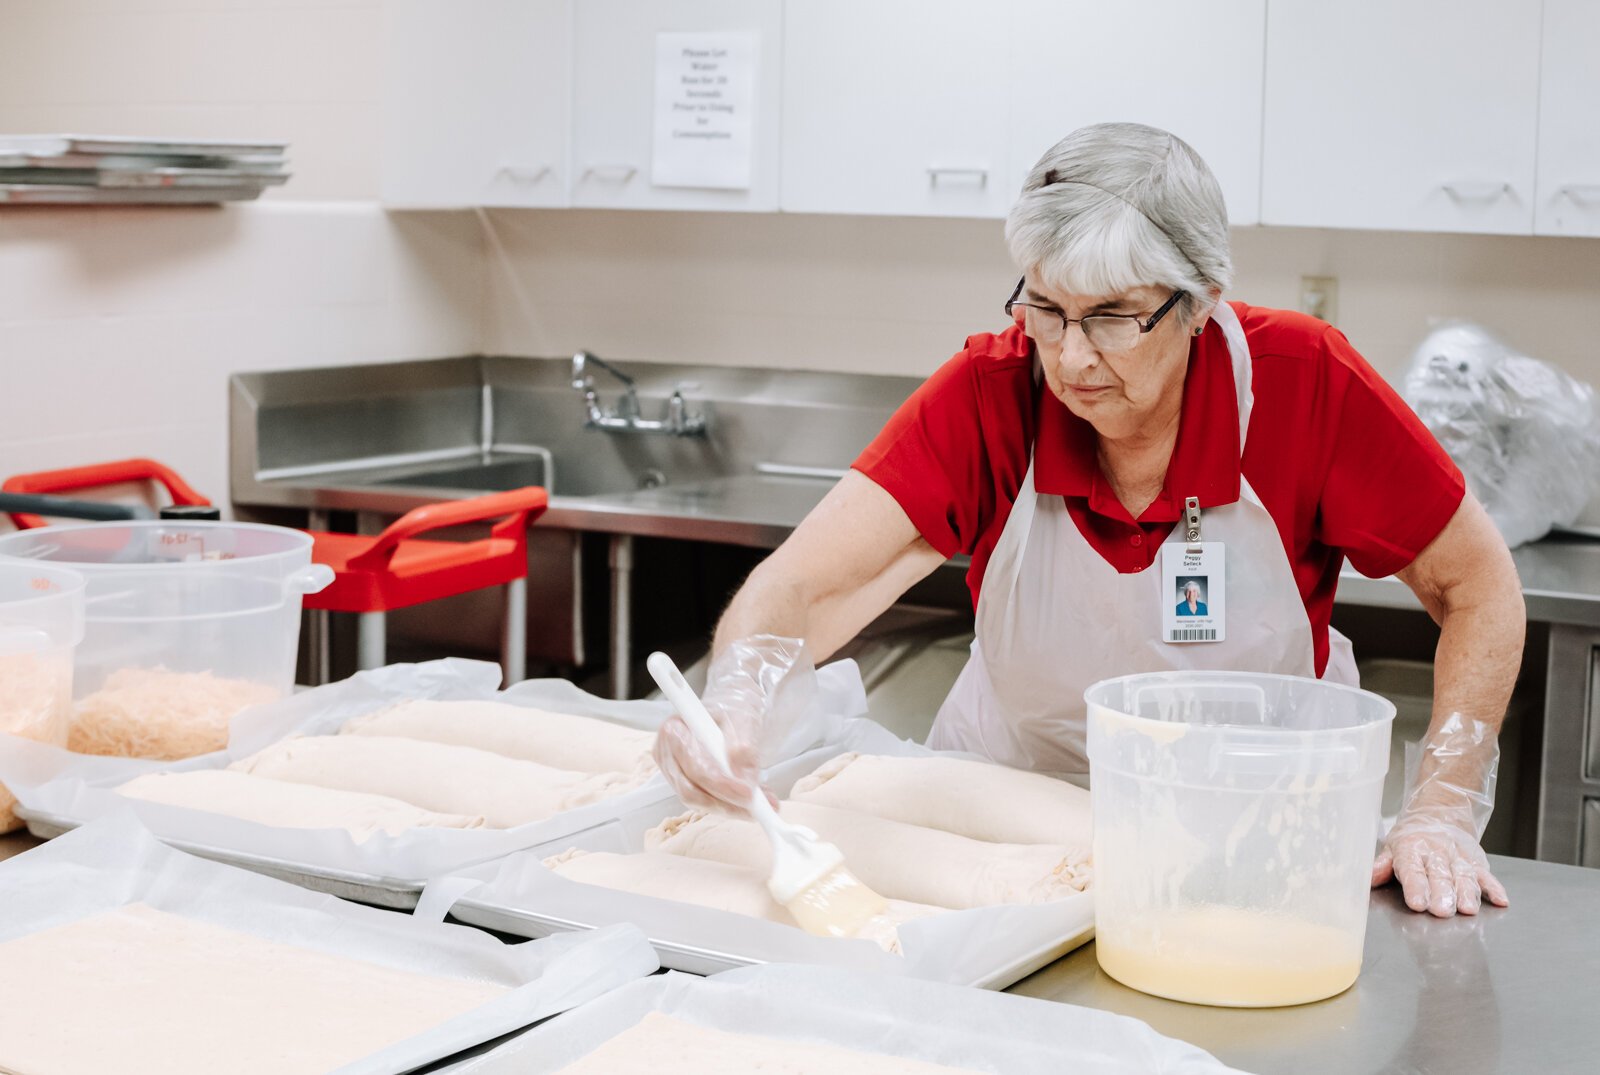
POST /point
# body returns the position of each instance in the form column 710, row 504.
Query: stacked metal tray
column 99, row 170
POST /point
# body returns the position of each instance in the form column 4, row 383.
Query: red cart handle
column 98, row 475
column 519, row 507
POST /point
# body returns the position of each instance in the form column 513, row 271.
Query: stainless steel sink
column 380, row 440
column 483, row 477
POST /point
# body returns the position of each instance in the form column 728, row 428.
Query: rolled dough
column 561, row 740
column 139, row 991
column 904, row 861
column 969, row 798
column 661, row 1045
column 287, row 805
column 717, row 885
column 436, row 776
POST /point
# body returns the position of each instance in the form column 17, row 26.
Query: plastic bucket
column 1235, row 821
column 41, row 621
column 222, row 598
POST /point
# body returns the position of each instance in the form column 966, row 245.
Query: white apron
column 1053, row 617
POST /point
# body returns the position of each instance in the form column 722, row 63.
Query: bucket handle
column 313, row 578
column 23, row 638
column 1266, row 759
column 1212, row 690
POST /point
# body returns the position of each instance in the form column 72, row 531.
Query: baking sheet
column 141, row 178
column 56, row 788
column 925, row 1021
column 52, row 144
column 115, row 861
column 57, row 194
column 989, row 947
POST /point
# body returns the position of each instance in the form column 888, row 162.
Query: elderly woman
column 1072, row 456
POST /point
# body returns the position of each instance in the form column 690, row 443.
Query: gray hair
column 1116, row 206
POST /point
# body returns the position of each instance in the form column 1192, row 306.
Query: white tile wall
column 900, row 295
column 119, row 327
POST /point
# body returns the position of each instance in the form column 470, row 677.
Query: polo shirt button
column 1136, row 540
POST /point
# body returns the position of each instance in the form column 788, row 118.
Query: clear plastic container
column 1236, row 816
column 215, row 600
column 41, row 621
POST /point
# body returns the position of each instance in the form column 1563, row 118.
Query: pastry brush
column 809, row 876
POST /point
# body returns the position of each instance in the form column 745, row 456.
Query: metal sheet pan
column 124, row 162
column 516, row 896
column 53, row 144
column 139, row 178
column 43, row 194
column 701, row 960
column 395, row 893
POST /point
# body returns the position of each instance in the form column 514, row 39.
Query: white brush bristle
column 836, row 905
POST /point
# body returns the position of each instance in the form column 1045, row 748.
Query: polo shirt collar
column 1205, row 460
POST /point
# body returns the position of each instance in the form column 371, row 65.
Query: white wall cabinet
column 1415, row 116
column 1193, row 69
column 896, row 107
column 477, row 103
column 614, row 53
column 1569, row 120
column 1428, row 115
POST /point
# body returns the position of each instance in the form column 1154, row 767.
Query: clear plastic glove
column 753, row 688
column 1433, row 849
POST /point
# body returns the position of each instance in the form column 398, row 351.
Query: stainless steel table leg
column 319, row 643
column 370, row 629
column 514, row 640
column 621, row 613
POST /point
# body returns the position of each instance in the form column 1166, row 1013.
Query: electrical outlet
column 1319, row 297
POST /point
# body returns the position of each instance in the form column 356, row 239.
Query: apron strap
column 1239, row 351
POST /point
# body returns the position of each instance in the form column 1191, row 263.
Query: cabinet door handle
column 523, row 173
column 1471, row 191
column 980, row 175
column 1584, row 193
column 616, row 173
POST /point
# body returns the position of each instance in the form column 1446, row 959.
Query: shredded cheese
column 156, row 713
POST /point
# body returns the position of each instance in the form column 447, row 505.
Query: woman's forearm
column 847, row 562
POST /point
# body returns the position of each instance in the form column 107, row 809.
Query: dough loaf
column 138, row 991
column 716, row 885
column 561, row 740
column 661, row 1045
column 286, row 805
column 903, row 861
column 969, row 798
column 436, row 776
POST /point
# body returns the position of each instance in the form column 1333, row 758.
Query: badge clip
column 1191, row 520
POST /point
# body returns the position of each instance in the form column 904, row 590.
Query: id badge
column 1194, row 592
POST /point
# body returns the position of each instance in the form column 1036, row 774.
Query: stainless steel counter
column 1511, row 990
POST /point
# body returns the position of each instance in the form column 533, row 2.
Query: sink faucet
column 625, row 416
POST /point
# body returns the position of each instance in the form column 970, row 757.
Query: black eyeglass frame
column 1066, row 322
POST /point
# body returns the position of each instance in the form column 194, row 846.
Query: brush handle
column 689, row 706
column 706, row 730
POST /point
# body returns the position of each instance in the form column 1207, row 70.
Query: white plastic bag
column 1525, row 435
column 933, row 1023
column 115, row 861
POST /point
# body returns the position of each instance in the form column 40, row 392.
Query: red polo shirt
column 1339, row 461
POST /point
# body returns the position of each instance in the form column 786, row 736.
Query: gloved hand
column 1433, row 849
column 742, row 691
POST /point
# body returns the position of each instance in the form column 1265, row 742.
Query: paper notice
column 705, row 109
